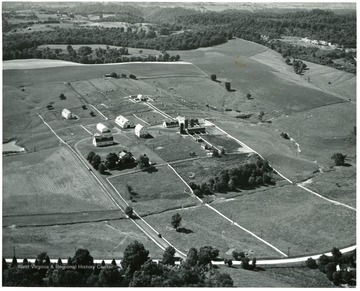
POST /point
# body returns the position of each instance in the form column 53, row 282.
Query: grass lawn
column 44, row 182
column 291, row 217
column 88, row 92
column 202, row 226
column 173, row 147
column 297, row 277
column 154, row 192
column 151, row 117
column 104, row 240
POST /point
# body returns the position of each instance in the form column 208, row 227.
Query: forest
column 184, row 29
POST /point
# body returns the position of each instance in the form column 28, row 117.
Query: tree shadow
column 150, row 170
column 217, row 81
column 232, row 90
column 149, row 136
column 184, row 230
column 346, row 165
column 107, row 174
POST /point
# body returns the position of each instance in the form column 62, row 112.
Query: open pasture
column 281, row 92
column 201, row 226
column 151, row 117
column 104, row 240
column 89, row 92
column 291, row 217
column 338, row 184
column 44, row 182
column 123, row 107
column 229, row 144
column 323, row 132
column 154, row 191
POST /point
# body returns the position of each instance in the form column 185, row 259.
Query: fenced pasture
column 291, row 217
column 104, row 240
column 229, row 144
column 151, row 117
column 201, row 226
column 122, row 107
column 88, row 92
column 202, row 170
column 173, row 147
column 45, row 182
column 154, row 191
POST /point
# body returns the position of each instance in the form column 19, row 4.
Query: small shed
column 102, row 128
column 66, row 113
column 141, row 131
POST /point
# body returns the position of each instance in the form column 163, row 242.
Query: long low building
column 101, row 140
column 170, row 123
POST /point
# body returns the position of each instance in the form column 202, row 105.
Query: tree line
column 137, row 269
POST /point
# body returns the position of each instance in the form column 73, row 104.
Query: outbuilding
column 101, row 140
column 102, row 128
column 66, row 113
column 141, row 131
column 123, row 122
column 170, row 123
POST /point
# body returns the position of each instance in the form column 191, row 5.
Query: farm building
column 141, row 131
column 141, row 97
column 170, row 123
column 66, row 113
column 195, row 129
column 101, row 140
column 102, row 128
column 189, row 125
column 123, row 122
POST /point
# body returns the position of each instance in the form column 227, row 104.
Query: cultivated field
column 201, row 226
column 154, row 191
column 43, row 182
column 294, row 218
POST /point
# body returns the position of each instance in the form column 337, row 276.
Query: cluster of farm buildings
column 320, row 42
column 104, row 135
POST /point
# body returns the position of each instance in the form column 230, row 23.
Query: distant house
column 141, row 131
column 323, row 42
column 170, row 123
column 102, row 128
column 101, row 140
column 123, row 122
column 141, row 97
column 66, row 113
column 314, row 41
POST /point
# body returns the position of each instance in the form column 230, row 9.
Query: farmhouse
column 123, row 122
column 66, row 113
column 170, row 123
column 101, row 140
column 141, row 97
column 141, row 131
column 102, row 128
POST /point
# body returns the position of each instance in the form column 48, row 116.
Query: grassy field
column 338, row 184
column 294, row 218
column 155, row 191
column 229, row 144
column 43, row 182
column 104, row 240
column 202, row 226
column 297, row 277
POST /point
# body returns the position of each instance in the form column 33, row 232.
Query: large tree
column 135, row 256
column 176, row 221
column 169, row 256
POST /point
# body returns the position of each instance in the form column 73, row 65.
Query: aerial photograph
column 179, row 144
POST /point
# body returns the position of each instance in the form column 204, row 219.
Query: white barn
column 66, row 113
column 141, row 131
column 102, row 128
column 123, row 122
column 101, row 140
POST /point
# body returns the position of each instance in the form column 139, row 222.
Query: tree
column 102, row 168
column 336, row 255
column 245, row 263
column 228, row 86
column 59, row 262
column 135, row 256
column 311, row 263
column 132, row 76
column 143, row 161
column 330, row 268
column 4, row 264
column 192, row 257
column 169, row 256
column 176, row 221
column 238, row 256
column 84, row 50
column 111, row 160
column 228, row 262
column 248, row 95
column 129, row 211
column 82, row 257
column 96, row 161
column 14, row 262
column 261, row 115
column 62, row 96
column 90, row 156
column 339, row 159
column 213, row 77
column 207, row 254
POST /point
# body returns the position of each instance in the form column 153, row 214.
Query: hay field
column 104, row 240
column 44, row 182
column 154, row 191
column 291, row 217
column 202, row 226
